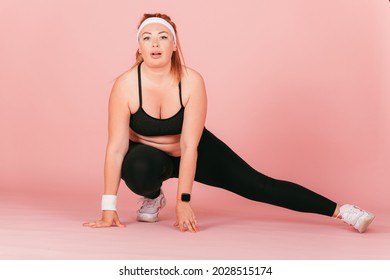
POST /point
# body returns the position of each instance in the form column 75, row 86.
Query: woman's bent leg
column 221, row 167
column 144, row 169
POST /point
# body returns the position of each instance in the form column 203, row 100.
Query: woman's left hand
column 185, row 217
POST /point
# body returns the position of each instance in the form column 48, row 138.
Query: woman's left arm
column 193, row 124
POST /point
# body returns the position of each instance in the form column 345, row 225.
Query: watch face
column 185, row 197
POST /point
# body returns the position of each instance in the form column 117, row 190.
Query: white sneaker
column 150, row 208
column 356, row 217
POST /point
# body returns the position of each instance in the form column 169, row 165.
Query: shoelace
column 147, row 202
column 350, row 215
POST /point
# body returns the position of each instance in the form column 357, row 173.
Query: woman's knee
column 140, row 177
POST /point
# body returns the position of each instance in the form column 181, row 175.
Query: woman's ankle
column 336, row 213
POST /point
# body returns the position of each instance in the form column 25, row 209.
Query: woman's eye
column 164, row 37
column 146, row 38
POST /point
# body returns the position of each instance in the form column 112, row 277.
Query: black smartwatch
column 185, row 197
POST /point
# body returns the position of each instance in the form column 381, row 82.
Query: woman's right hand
column 109, row 218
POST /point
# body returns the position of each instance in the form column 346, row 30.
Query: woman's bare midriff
column 169, row 144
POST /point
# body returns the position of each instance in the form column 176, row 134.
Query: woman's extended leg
column 221, row 167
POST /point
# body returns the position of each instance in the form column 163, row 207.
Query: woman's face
column 156, row 44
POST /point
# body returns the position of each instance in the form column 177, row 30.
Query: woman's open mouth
column 156, row 54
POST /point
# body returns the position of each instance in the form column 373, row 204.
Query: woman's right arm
column 117, row 146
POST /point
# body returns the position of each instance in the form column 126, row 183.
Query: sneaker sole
column 151, row 218
column 363, row 223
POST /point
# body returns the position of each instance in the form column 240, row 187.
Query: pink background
column 299, row 89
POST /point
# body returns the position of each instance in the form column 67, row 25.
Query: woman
column 157, row 113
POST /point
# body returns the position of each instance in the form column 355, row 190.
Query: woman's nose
column 155, row 43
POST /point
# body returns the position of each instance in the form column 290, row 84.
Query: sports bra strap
column 139, row 85
column 181, row 101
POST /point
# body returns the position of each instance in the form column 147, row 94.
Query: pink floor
column 47, row 225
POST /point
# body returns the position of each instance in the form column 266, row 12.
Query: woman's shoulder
column 127, row 78
column 191, row 76
column 124, row 85
column 193, row 83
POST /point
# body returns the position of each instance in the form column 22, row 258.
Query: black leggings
column 145, row 168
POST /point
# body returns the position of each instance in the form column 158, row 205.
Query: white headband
column 157, row 20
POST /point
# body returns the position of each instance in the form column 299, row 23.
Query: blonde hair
column 177, row 56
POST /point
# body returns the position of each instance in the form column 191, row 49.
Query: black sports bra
column 144, row 124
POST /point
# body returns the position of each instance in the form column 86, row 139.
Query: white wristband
column 109, row 202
